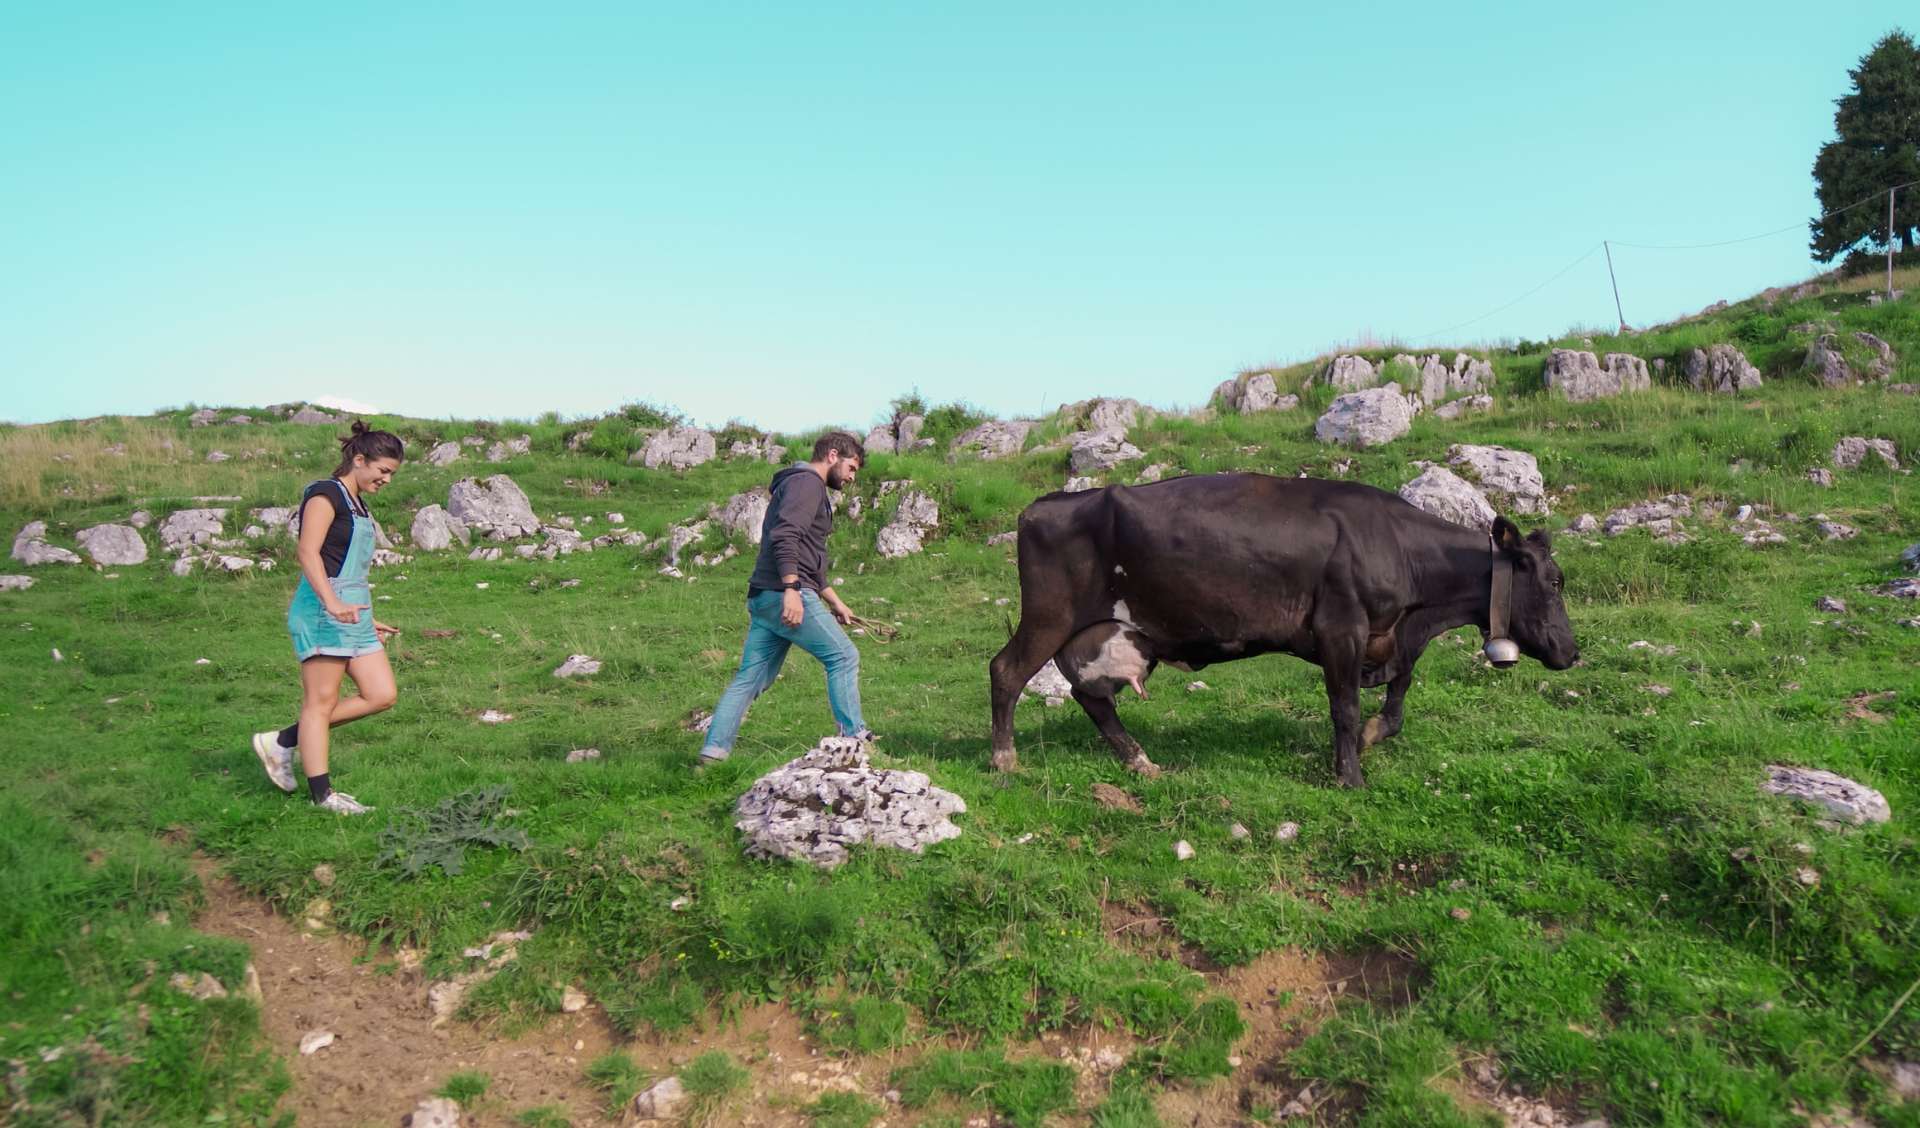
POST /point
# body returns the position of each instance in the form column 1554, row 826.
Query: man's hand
column 839, row 608
column 792, row 611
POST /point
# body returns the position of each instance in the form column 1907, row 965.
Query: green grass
column 466, row 1089
column 843, row 1110
column 1616, row 952
column 711, row 1080
column 616, row 1075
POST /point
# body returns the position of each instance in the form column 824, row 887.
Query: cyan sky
column 790, row 213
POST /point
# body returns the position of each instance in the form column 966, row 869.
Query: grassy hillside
column 1560, row 885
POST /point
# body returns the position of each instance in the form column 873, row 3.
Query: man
column 789, row 601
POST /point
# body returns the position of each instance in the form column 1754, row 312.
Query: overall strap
column 356, row 510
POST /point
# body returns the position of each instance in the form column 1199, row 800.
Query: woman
column 331, row 618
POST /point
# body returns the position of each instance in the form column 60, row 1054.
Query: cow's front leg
column 1343, row 696
column 1106, row 718
column 1386, row 723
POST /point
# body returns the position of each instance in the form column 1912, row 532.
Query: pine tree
column 1878, row 146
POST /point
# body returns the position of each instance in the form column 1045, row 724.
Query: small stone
column 1239, row 832
column 1838, row 796
column 495, row 717
column 1197, row 687
column 1807, row 876
column 582, row 755
column 1821, row 476
column 323, row 873
column 435, row 1112
column 57, row 656
column 577, row 665
column 1460, row 914
column 1286, row 832
column 202, row 986
column 572, row 1000
column 315, row 1041
column 1183, row 850
column 662, row 1102
column 1829, row 604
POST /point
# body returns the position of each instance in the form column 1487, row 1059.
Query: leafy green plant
column 843, row 1110
column 418, row 839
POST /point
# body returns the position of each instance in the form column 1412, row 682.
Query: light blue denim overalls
column 314, row 631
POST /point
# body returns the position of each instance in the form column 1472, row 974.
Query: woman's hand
column 348, row 613
column 384, row 631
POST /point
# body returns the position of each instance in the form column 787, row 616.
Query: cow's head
column 1537, row 618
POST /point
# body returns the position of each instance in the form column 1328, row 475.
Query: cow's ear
column 1540, row 539
column 1506, row 535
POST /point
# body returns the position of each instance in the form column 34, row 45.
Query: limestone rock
column 1580, row 376
column 1049, row 684
column 1510, row 474
column 1851, row 451
column 1350, row 373
column 496, row 506
column 190, row 527
column 814, row 808
column 1366, row 418
column 1436, row 381
column 308, row 415
column 744, row 513
column 664, row 1101
column 1080, row 485
column 1253, row 392
column 1101, row 450
column 512, row 448
column 1826, row 364
column 1113, row 414
column 1448, row 496
column 15, row 583
column 204, row 417
column 677, row 448
column 995, row 438
column 113, row 544
column 435, row 529
column 577, row 665
column 444, row 454
column 1838, row 796
column 1159, row 470
column 1721, row 368
column 435, row 1112
column 1459, row 407
column 30, row 547
column 916, row 517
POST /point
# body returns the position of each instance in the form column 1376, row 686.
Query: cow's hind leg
column 1106, row 718
column 1038, row 639
column 1386, row 724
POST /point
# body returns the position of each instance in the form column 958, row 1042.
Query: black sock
column 318, row 787
column 290, row 736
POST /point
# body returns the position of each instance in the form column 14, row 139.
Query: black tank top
column 333, row 551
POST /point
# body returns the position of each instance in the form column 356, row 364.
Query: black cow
column 1211, row 568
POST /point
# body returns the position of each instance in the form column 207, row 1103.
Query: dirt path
column 386, row 1055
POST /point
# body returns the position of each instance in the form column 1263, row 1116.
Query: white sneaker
column 340, row 803
column 276, row 760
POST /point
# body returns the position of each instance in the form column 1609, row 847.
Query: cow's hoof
column 1352, row 779
column 1140, row 765
column 1006, row 761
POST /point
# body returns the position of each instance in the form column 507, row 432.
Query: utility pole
column 1890, row 193
column 1616, row 282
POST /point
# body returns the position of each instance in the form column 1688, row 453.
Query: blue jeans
column 768, row 640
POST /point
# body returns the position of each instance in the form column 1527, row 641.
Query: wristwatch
column 795, row 586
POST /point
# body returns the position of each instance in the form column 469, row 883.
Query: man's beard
column 837, row 477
